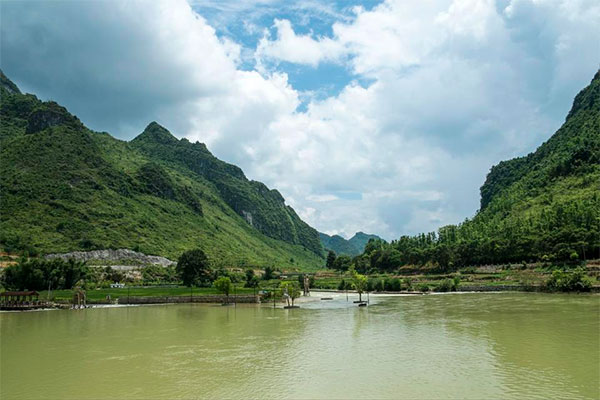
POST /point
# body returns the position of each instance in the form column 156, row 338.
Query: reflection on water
column 435, row 346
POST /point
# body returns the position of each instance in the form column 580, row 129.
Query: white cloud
column 302, row 49
column 456, row 87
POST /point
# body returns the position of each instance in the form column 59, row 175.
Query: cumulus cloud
column 303, row 49
column 455, row 86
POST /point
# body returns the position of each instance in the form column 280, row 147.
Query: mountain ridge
column 350, row 247
column 67, row 188
column 542, row 207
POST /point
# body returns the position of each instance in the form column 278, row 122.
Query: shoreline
column 302, row 299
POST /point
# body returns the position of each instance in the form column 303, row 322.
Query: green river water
column 495, row 345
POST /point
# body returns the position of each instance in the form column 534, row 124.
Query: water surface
column 495, row 345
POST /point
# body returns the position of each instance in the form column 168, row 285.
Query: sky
column 374, row 116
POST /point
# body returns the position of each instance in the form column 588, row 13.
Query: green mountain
column 541, row 207
column 65, row 187
column 351, row 247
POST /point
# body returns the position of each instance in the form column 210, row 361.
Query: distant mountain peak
column 156, row 133
column 351, row 247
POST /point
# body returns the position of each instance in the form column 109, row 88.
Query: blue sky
column 247, row 22
column 382, row 116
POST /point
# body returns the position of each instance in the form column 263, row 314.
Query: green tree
column 194, row 268
column 224, row 285
column 41, row 274
column 342, row 263
column 330, row 259
column 359, row 282
column 268, row 275
column 292, row 289
column 254, row 282
column 249, row 276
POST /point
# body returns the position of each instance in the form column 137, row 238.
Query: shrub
column 456, row 282
column 569, row 281
column 446, row 285
column 393, row 284
column 423, row 287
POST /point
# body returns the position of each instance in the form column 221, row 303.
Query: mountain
column 65, row 187
column 541, row 207
column 351, row 247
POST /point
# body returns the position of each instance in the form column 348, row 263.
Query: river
column 475, row 345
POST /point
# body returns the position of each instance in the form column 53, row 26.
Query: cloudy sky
column 380, row 116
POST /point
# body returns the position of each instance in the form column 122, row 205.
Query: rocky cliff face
column 50, row 114
column 119, row 255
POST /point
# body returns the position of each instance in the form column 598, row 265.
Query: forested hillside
column 541, row 207
column 262, row 208
column 65, row 187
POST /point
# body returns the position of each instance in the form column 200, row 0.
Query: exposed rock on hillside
column 115, row 255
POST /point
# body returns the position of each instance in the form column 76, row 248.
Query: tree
column 268, row 275
column 194, row 268
column 292, row 289
column 254, row 282
column 41, row 274
column 224, row 285
column 342, row 263
column 330, row 259
column 249, row 276
column 359, row 281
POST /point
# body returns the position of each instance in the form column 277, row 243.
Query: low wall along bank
column 189, row 299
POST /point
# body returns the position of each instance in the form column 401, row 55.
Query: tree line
column 559, row 233
column 193, row 269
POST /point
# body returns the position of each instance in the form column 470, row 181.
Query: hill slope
column 351, row 247
column 541, row 207
column 65, row 188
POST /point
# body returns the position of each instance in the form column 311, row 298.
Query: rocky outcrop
column 7, row 84
column 120, row 255
column 50, row 114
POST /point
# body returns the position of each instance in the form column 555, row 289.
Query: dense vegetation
column 349, row 247
column 543, row 207
column 262, row 208
column 193, row 269
column 40, row 274
column 65, row 188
